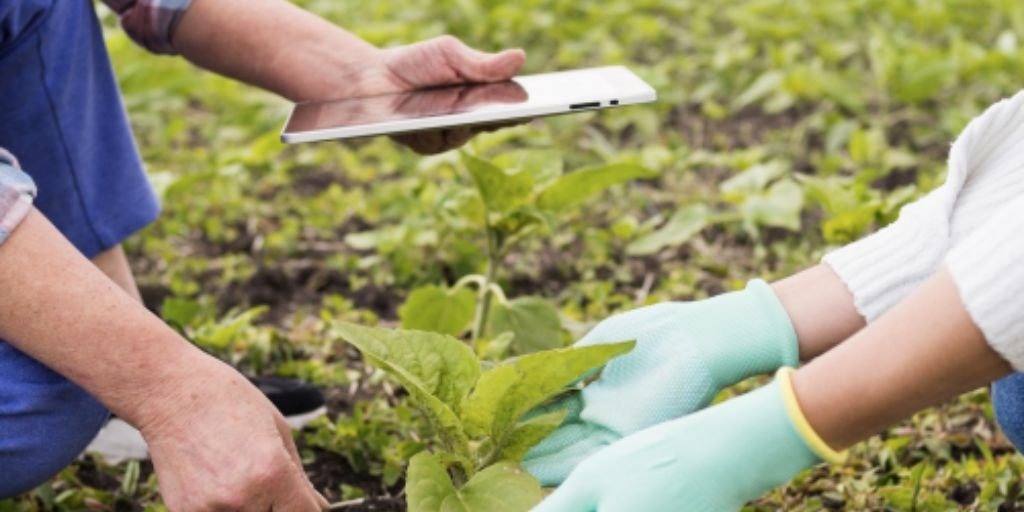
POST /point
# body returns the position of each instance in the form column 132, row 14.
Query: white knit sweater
column 973, row 223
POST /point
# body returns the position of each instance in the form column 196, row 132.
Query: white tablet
column 522, row 97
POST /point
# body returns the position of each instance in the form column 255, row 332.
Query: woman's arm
column 926, row 350
column 820, row 307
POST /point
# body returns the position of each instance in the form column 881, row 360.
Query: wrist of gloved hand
column 714, row 460
column 749, row 334
column 686, row 353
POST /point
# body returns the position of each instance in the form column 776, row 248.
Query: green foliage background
column 784, row 127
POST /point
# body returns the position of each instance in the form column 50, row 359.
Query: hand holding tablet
column 467, row 105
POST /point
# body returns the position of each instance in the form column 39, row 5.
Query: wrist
column 820, row 308
column 754, row 335
column 803, row 428
column 152, row 398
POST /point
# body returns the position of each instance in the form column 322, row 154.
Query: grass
column 833, row 113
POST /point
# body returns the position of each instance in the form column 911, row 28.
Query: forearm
column 61, row 310
column 925, row 350
column 820, row 307
column 275, row 45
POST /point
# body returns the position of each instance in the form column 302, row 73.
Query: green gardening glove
column 686, row 352
column 715, row 460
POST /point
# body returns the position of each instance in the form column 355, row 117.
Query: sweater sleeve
column 988, row 271
column 984, row 172
column 17, row 190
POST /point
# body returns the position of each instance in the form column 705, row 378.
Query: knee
column 1008, row 402
column 41, row 435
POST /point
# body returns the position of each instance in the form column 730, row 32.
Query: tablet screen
column 467, row 104
column 434, row 102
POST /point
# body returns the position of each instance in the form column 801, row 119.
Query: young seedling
column 518, row 193
column 480, row 416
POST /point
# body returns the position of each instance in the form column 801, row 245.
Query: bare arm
column 52, row 294
column 282, row 48
column 820, row 307
column 230, row 448
column 925, row 350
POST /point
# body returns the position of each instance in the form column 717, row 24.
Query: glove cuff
column 803, row 428
column 756, row 337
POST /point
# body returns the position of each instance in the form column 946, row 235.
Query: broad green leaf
column 528, row 434
column 504, row 393
column 462, row 208
column 180, row 312
column 519, row 219
column 384, row 239
column 500, row 190
column 432, row 308
column 574, row 188
column 503, row 487
column 849, row 225
column 544, row 165
column 685, row 223
column 436, row 369
column 228, row 331
column 866, row 146
column 533, row 321
column 494, row 349
column 427, row 484
column 779, row 206
column 754, row 179
column 769, row 82
column 441, row 365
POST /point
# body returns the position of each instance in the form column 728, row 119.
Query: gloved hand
column 686, row 352
column 711, row 461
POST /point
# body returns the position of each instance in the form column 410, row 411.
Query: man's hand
column 216, row 441
column 444, row 61
column 218, row 444
column 440, row 62
column 308, row 58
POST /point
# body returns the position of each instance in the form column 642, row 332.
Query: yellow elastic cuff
column 803, row 428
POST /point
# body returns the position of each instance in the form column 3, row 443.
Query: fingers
column 436, row 141
column 501, row 92
column 477, row 66
column 293, row 453
column 488, row 128
column 299, row 496
column 287, row 439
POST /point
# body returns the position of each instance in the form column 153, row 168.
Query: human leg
column 1008, row 401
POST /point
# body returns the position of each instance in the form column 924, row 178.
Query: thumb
column 477, row 66
column 551, row 461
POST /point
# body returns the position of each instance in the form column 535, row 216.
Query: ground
column 794, row 125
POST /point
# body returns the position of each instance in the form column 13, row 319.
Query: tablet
column 522, row 97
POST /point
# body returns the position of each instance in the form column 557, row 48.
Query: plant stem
column 459, row 477
column 483, row 301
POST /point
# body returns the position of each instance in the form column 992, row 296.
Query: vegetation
column 784, row 128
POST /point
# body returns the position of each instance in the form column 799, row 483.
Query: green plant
column 480, row 416
column 518, row 193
